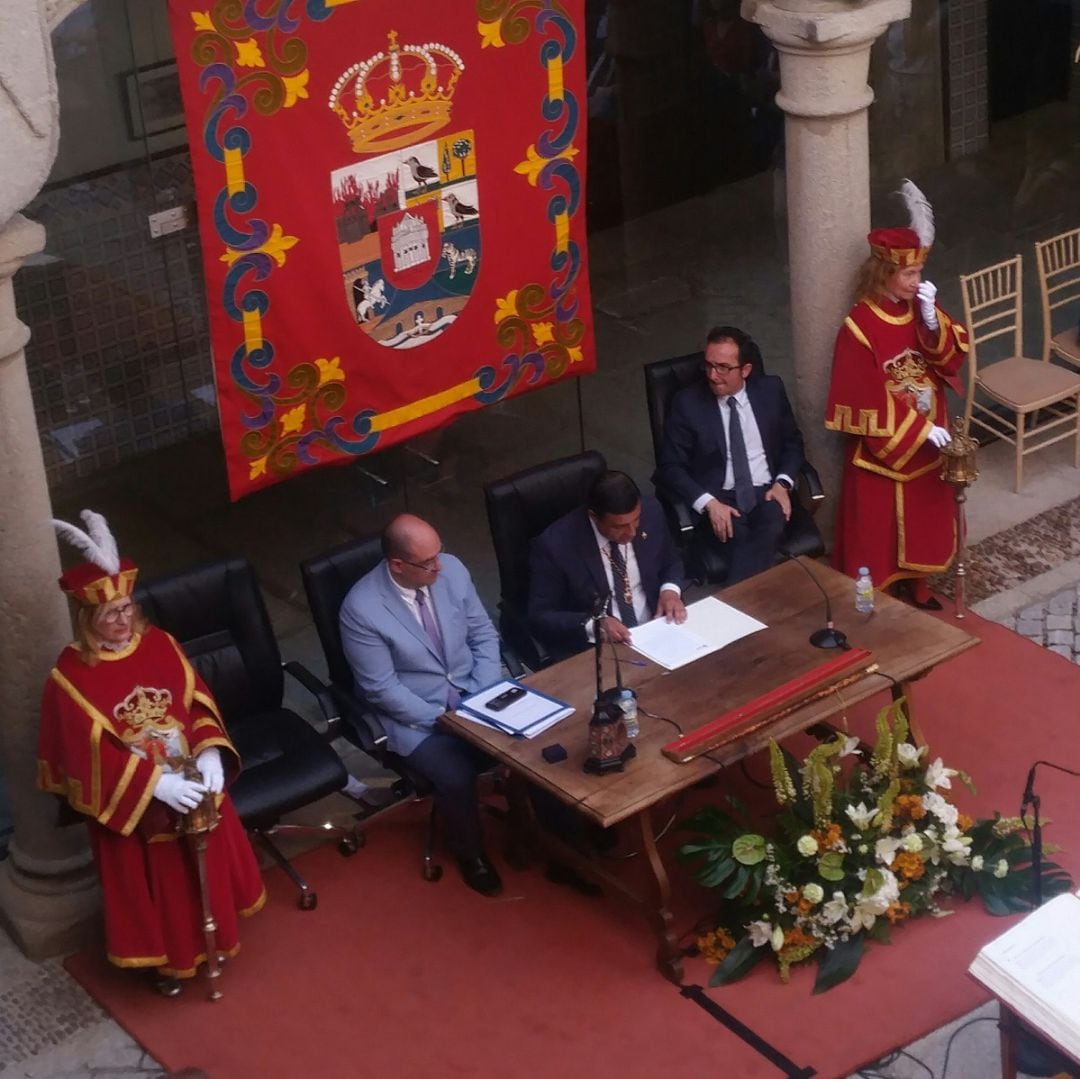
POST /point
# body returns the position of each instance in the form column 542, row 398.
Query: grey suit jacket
column 395, row 665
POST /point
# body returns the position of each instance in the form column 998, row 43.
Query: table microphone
column 828, row 636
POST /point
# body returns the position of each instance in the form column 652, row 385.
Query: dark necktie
column 745, row 498
column 427, row 620
column 624, row 598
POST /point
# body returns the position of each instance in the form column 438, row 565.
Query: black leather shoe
column 479, row 874
column 560, row 873
column 930, row 604
column 166, row 986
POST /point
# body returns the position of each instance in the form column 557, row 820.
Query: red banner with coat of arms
column 391, row 209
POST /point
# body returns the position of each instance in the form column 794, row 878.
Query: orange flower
column 909, row 865
column 804, row 906
column 897, row 912
column 829, row 837
column 909, row 805
column 715, row 946
column 792, row 897
column 796, row 938
column 964, row 822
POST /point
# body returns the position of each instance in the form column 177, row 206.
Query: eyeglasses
column 428, row 567
column 118, row 613
column 721, row 368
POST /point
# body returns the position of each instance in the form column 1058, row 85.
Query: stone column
column 48, row 891
column 824, row 49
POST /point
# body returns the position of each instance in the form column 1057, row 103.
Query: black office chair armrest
column 512, row 661
column 812, row 482
column 321, row 692
column 519, row 641
column 359, row 725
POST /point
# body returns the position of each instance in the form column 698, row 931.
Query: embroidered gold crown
column 142, row 706
column 398, row 97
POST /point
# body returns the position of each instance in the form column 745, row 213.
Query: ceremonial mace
column 196, row 827
column 960, row 470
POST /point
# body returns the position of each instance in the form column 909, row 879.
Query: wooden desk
column 906, row 644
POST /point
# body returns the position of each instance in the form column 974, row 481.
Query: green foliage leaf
column 831, row 865
column 874, row 881
column 712, row 876
column 839, row 963
column 737, row 962
column 739, row 883
column 749, row 849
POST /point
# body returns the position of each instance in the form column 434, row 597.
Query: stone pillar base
column 54, row 916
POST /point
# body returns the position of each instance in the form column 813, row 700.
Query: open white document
column 710, row 625
column 528, row 716
column 1034, row 967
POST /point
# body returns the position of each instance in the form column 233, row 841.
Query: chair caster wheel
column 432, row 873
column 307, row 901
column 350, row 844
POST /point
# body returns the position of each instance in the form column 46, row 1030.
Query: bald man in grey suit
column 418, row 640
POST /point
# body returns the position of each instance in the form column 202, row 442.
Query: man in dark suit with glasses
column 732, row 450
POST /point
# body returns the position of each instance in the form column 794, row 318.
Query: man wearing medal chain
column 616, row 546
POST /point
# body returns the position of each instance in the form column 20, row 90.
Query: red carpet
column 395, row 976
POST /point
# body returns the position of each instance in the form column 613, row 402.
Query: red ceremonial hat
column 899, row 246
column 91, row 586
column 104, row 576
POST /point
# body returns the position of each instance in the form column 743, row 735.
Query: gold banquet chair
column 1058, row 263
column 1029, row 403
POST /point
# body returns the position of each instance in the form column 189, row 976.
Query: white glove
column 177, row 792
column 926, row 294
column 939, row 436
column 211, row 770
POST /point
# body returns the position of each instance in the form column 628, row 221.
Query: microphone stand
column 1032, row 799
column 828, row 636
column 608, row 747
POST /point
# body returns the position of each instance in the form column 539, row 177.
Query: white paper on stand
column 710, row 625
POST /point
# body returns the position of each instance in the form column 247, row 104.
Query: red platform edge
column 775, row 699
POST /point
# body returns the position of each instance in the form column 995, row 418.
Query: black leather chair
column 217, row 614
column 663, row 379
column 327, row 579
column 519, row 508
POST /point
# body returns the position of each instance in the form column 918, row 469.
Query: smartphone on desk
column 505, row 699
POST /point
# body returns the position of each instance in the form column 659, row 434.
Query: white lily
column 850, row 748
column 860, row 816
column 945, row 811
column 885, row 849
column 937, row 775
column 835, row 910
column 908, row 755
column 760, row 933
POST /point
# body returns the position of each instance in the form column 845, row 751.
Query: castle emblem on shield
column 407, row 219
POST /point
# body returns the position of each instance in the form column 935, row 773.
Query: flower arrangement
column 865, row 841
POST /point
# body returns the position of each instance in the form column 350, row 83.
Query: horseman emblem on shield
column 407, row 220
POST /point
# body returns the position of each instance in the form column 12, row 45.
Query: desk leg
column 1007, row 1026
column 903, row 689
column 522, row 840
column 668, row 956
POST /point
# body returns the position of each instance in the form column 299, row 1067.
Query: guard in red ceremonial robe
column 894, row 355
column 121, row 709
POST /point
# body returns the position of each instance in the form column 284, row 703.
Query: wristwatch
column 785, row 482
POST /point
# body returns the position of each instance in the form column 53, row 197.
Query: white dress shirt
column 642, row 611
column 409, row 596
column 755, row 448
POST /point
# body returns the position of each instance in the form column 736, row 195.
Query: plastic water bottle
column 628, row 704
column 864, row 591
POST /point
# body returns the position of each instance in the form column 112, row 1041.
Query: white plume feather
column 920, row 213
column 99, row 546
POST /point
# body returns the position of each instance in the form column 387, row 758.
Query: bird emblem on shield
column 408, row 217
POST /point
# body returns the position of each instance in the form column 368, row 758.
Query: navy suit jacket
column 394, row 662
column 566, row 573
column 693, row 457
